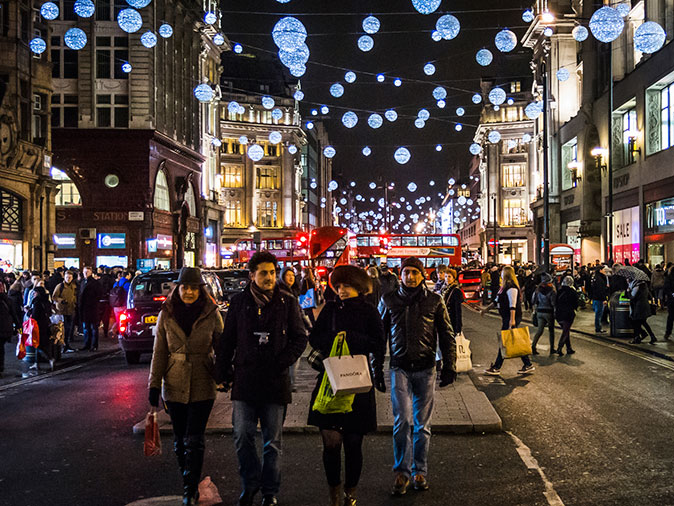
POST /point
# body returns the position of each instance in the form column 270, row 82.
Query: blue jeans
column 90, row 331
column 254, row 475
column 598, row 307
column 412, row 396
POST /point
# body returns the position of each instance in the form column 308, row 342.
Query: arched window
column 162, row 200
column 191, row 200
column 11, row 215
column 68, row 194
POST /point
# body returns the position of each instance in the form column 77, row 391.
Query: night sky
column 402, row 47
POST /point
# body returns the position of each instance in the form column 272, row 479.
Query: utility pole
column 609, row 211
column 546, row 179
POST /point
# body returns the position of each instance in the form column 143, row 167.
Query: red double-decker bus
column 287, row 250
column 431, row 249
column 330, row 246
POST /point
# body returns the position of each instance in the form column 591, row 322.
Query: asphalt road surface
column 595, row 428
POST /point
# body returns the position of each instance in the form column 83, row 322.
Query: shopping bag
column 463, row 361
column 515, row 342
column 32, row 332
column 208, row 493
column 308, row 300
column 55, row 319
column 21, row 347
column 152, row 439
column 348, row 374
column 326, row 401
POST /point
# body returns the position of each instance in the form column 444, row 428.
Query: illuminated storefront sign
column 660, row 216
column 65, row 241
column 112, row 241
column 626, row 235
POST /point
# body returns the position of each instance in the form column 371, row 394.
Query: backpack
column 117, row 297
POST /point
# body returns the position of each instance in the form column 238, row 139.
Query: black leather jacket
column 414, row 327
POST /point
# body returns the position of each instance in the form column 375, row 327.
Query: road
column 592, row 429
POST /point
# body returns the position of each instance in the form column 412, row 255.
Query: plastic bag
column 326, row 402
column 208, row 493
column 32, row 332
column 21, row 347
column 463, row 360
column 152, row 439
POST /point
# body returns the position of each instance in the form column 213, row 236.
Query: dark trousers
column 670, row 317
column 68, row 328
column 641, row 328
column 106, row 312
column 565, row 338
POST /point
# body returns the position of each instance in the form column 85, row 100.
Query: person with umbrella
column 640, row 308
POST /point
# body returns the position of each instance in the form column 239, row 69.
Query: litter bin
column 621, row 324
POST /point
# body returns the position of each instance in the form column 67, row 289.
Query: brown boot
column 350, row 496
column 336, row 495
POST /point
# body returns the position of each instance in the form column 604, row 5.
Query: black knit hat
column 415, row 263
column 352, row 276
column 190, row 276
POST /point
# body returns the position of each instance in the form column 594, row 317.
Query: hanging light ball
column 475, row 148
column 298, row 70
column 371, row 25
column 216, row 142
column 436, row 36
column 218, row 39
column 402, row 156
column 256, row 152
column 210, row 18
column 283, row 1
column 367, row 151
column 289, row 33
column 606, row 24
column 336, row 90
column 372, row 185
column 204, row 93
column 548, row 32
column 412, row 187
column 75, row 38
column 497, row 107
column 365, row 43
column 233, row 107
column 391, row 115
column 292, row 149
column 423, row 114
column 580, row 33
column 375, row 121
column 37, row 45
column 148, row 39
column 350, row 119
column 528, row 16
column 350, row 77
column 329, row 152
column 526, row 138
column 448, row 26
column 441, row 104
column 649, row 37
column 505, row 41
column 431, row 182
column 429, row 69
column 437, row 148
column 460, row 111
column 277, row 114
column 381, row 78
column 299, row 56
column 510, row 101
column 243, row 140
column 275, row 137
column 237, row 48
column 419, row 123
column 397, row 82
column 533, row 110
column 314, row 112
column 332, row 186
column 49, row 11
column 130, row 20
column 165, row 30
column 299, row 95
column 126, row 67
column 484, row 57
column 494, row 136
column 563, row 74
column 439, row 93
column 458, row 127
column 426, row 6
column 84, row 8
column 325, row 109
column 497, row 96
column 138, row 4
column 477, row 98
column 268, row 102
column 624, row 9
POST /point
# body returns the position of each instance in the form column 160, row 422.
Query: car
column 470, row 282
column 232, row 281
column 147, row 293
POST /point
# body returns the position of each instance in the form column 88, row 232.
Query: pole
column 386, row 220
column 609, row 210
column 495, row 242
column 546, row 182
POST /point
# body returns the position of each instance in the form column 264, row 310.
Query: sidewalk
column 459, row 408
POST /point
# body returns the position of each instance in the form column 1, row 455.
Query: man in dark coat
column 388, row 280
column 599, row 292
column 54, row 280
column 264, row 335
column 90, row 294
column 416, row 323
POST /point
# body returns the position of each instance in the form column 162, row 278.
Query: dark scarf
column 262, row 297
column 411, row 294
column 187, row 315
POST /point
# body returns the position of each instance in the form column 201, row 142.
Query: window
column 515, row 87
column 361, row 241
column 450, row 240
column 68, row 10
column 64, row 111
column 374, row 241
column 111, row 54
column 267, row 178
column 409, row 240
column 267, row 213
column 190, row 200
column 24, row 27
column 162, row 200
column 68, row 194
column 232, row 176
column 64, row 60
column 630, row 129
column 112, row 111
column 569, row 164
column 514, row 214
column 10, row 212
column 513, row 175
column 39, row 123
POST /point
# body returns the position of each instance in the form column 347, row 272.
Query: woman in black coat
column 364, row 336
column 453, row 297
column 40, row 310
column 565, row 311
column 640, row 311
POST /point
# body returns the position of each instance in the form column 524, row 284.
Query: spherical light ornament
column 429, row 69
column 313, row 185
column 494, row 136
column 37, row 45
column 580, row 33
column 419, row 123
column 510, row 101
column 497, row 96
column 336, row 90
column 548, row 32
column 381, row 78
column 451, row 181
column 367, row 151
column 299, row 56
column 256, row 152
column 391, row 115
column 426, row 6
column 477, row 98
column 563, row 74
column 277, row 114
column 130, row 20
column 533, row 110
column 275, row 137
column 292, row 149
column 165, row 30
column 350, row 77
column 325, row 109
column 423, row 114
column 210, row 18
column 148, row 39
column 438, row 148
column 439, row 93
column 84, row 8
column 289, row 33
column 475, row 149
column 402, row 156
column 49, row 11
column 624, row 9
column 310, row 125
column 138, row 4
column 268, row 102
column 460, row 111
column 649, row 37
column 237, row 48
column 126, row 67
column 314, row 112
column 75, row 38
column 218, row 39
column 461, row 200
column 332, row 186
column 526, row 138
column 233, row 107
column 298, row 70
column 397, row 82
column 381, row 203
column 412, row 187
column 204, row 93
column 484, row 57
column 349, row 119
column 448, row 26
column 243, row 140
column 441, row 104
column 241, row 110
column 371, row 25
column 329, row 152
column 436, row 36
column 299, row 95
column 431, row 182
column 375, row 121
column 365, row 43
column 216, row 142
column 458, row 127
column 505, row 41
column 528, row 16
column 606, row 24
column 497, row 107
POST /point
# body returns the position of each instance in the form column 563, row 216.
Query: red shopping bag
column 32, row 332
column 152, row 440
column 21, row 347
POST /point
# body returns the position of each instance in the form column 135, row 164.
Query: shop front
column 11, row 254
column 659, row 236
column 66, row 255
column 160, row 251
column 627, row 235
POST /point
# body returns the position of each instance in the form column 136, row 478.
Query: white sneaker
column 527, row 369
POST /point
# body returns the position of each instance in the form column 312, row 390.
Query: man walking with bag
column 264, row 335
column 65, row 297
column 416, row 323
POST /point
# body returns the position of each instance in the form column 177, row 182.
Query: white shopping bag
column 463, row 361
column 348, row 374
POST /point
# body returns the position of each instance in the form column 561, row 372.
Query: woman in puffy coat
column 364, row 336
column 565, row 311
column 183, row 366
column 40, row 309
column 640, row 310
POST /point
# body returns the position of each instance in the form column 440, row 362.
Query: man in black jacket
column 599, row 292
column 88, row 305
column 264, row 335
column 416, row 323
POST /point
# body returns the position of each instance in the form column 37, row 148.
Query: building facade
column 27, row 218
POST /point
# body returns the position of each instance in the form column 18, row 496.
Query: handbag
column 534, row 318
column 348, row 374
column 515, row 342
column 152, row 444
column 326, row 401
column 463, row 360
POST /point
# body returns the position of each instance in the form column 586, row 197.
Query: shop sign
column 65, row 241
column 164, row 241
column 112, row 241
column 136, row 216
column 660, row 216
column 145, row 264
column 152, row 245
column 626, row 235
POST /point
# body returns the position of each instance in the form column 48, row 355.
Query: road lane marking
column 530, row 461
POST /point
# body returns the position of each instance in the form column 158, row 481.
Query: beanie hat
column 546, row 278
column 352, row 276
column 415, row 263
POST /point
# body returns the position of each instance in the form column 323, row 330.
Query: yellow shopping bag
column 326, row 402
column 515, row 342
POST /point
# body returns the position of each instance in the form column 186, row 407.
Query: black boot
column 179, row 450
column 194, row 461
